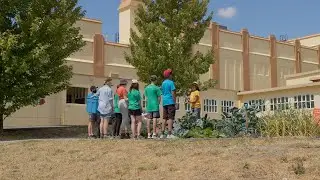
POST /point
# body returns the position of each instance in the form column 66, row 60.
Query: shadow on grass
column 44, row 133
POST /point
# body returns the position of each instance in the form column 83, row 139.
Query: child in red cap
column 168, row 102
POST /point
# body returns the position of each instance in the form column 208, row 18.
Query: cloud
column 227, row 12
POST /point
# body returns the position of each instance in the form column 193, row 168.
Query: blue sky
column 295, row 18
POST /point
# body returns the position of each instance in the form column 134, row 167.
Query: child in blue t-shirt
column 92, row 102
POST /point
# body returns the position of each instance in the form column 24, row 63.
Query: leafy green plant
column 190, row 127
column 291, row 122
column 243, row 121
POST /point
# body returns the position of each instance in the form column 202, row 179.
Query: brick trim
column 297, row 51
column 273, row 61
column 98, row 55
column 216, row 53
column 245, row 58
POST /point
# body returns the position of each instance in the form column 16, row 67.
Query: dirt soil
column 44, row 133
column 283, row 158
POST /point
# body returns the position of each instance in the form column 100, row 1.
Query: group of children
column 124, row 107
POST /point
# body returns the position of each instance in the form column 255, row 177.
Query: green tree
column 166, row 33
column 35, row 38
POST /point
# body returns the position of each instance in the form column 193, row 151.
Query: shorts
column 136, row 112
column 169, row 112
column 153, row 114
column 118, row 116
column 106, row 116
column 93, row 117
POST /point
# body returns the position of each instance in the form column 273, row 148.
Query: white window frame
column 279, row 103
column 259, row 102
column 303, row 101
column 226, row 105
column 177, row 103
column 187, row 107
column 210, row 106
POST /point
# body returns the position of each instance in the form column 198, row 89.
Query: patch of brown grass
column 282, row 158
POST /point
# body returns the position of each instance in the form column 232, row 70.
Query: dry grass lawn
column 146, row 159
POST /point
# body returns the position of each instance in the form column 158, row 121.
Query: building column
column 273, row 61
column 216, row 53
column 297, row 52
column 245, row 58
column 98, row 55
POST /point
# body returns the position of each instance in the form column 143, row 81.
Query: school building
column 248, row 68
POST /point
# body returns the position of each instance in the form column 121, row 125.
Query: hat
column 108, row 81
column 195, row 83
column 134, row 81
column 123, row 82
column 167, row 73
column 153, row 78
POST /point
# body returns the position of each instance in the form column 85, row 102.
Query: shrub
column 290, row 122
column 190, row 127
column 243, row 121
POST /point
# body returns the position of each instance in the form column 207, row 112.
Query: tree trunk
column 1, row 124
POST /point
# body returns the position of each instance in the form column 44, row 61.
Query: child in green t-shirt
column 134, row 98
column 153, row 98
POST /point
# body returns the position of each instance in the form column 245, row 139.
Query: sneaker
column 161, row 136
column 140, row 137
column 154, row 136
column 171, row 136
column 105, row 137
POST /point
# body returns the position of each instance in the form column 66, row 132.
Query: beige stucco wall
column 231, row 40
column 259, row 71
column 230, row 60
column 301, row 78
column 312, row 41
column 207, row 38
column 41, row 115
column 88, row 28
column 309, row 59
column 124, row 26
column 86, row 53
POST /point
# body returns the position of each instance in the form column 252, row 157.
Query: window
column 144, row 101
column 210, row 105
column 178, row 103
column 281, row 103
column 76, row 95
column 226, row 105
column 304, row 101
column 187, row 107
column 258, row 103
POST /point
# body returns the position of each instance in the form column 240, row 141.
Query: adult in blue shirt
column 92, row 102
column 168, row 102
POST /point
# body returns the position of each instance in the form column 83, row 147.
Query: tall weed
column 290, row 122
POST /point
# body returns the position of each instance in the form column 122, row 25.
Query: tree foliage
column 166, row 31
column 36, row 36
